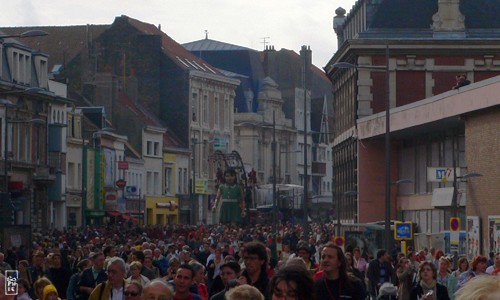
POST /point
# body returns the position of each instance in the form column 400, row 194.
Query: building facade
column 425, row 52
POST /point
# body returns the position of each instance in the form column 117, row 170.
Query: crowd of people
column 235, row 263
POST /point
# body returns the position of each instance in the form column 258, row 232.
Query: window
column 149, row 183
column 205, row 109
column 226, row 113
column 185, row 171
column 260, row 157
column 156, row 149
column 21, row 67
column 194, row 108
column 156, row 179
column 216, row 112
column 180, row 181
column 168, row 180
column 71, row 175
column 43, row 73
column 149, row 147
column 205, row 161
column 78, row 183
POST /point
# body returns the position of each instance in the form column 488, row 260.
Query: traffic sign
column 454, row 224
column 403, row 231
column 120, row 183
column 339, row 241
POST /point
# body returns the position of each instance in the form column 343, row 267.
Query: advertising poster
column 473, row 237
column 109, row 167
column 494, row 232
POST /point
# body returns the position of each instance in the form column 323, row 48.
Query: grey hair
column 196, row 266
column 119, row 262
column 162, row 283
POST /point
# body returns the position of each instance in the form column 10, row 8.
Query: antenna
column 264, row 41
column 206, row 34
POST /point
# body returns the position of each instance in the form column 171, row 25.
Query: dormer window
column 20, row 62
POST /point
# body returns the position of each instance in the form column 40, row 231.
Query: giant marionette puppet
column 229, row 204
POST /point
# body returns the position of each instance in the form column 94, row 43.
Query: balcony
column 57, row 161
column 318, row 168
column 43, row 175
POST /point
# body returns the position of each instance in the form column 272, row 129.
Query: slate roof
column 176, row 52
column 412, row 19
column 63, row 42
column 237, row 62
column 418, row 14
column 212, row 45
column 141, row 113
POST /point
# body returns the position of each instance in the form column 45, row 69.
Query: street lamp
column 273, row 148
column 344, row 65
column 26, row 34
column 27, row 91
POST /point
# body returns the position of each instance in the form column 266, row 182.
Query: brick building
column 425, row 52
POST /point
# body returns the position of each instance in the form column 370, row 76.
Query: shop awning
column 113, row 213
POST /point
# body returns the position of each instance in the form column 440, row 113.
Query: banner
column 473, row 237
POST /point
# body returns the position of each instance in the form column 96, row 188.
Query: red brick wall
column 371, row 189
column 410, row 87
column 443, row 82
column 482, row 75
column 379, row 88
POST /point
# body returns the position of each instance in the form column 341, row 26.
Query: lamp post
column 193, row 180
column 26, row 34
column 273, row 149
column 387, row 228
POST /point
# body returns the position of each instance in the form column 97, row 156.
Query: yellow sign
column 403, row 231
column 201, row 186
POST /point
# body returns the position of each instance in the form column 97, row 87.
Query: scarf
column 427, row 287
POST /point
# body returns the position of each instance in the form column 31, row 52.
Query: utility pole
column 305, row 52
column 193, row 181
column 273, row 146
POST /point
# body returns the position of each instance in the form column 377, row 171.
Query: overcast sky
column 284, row 23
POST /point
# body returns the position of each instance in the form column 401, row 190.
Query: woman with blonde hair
column 445, row 278
column 135, row 273
column 480, row 288
column 244, row 292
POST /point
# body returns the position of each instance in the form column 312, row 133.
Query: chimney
column 448, row 21
column 306, row 60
